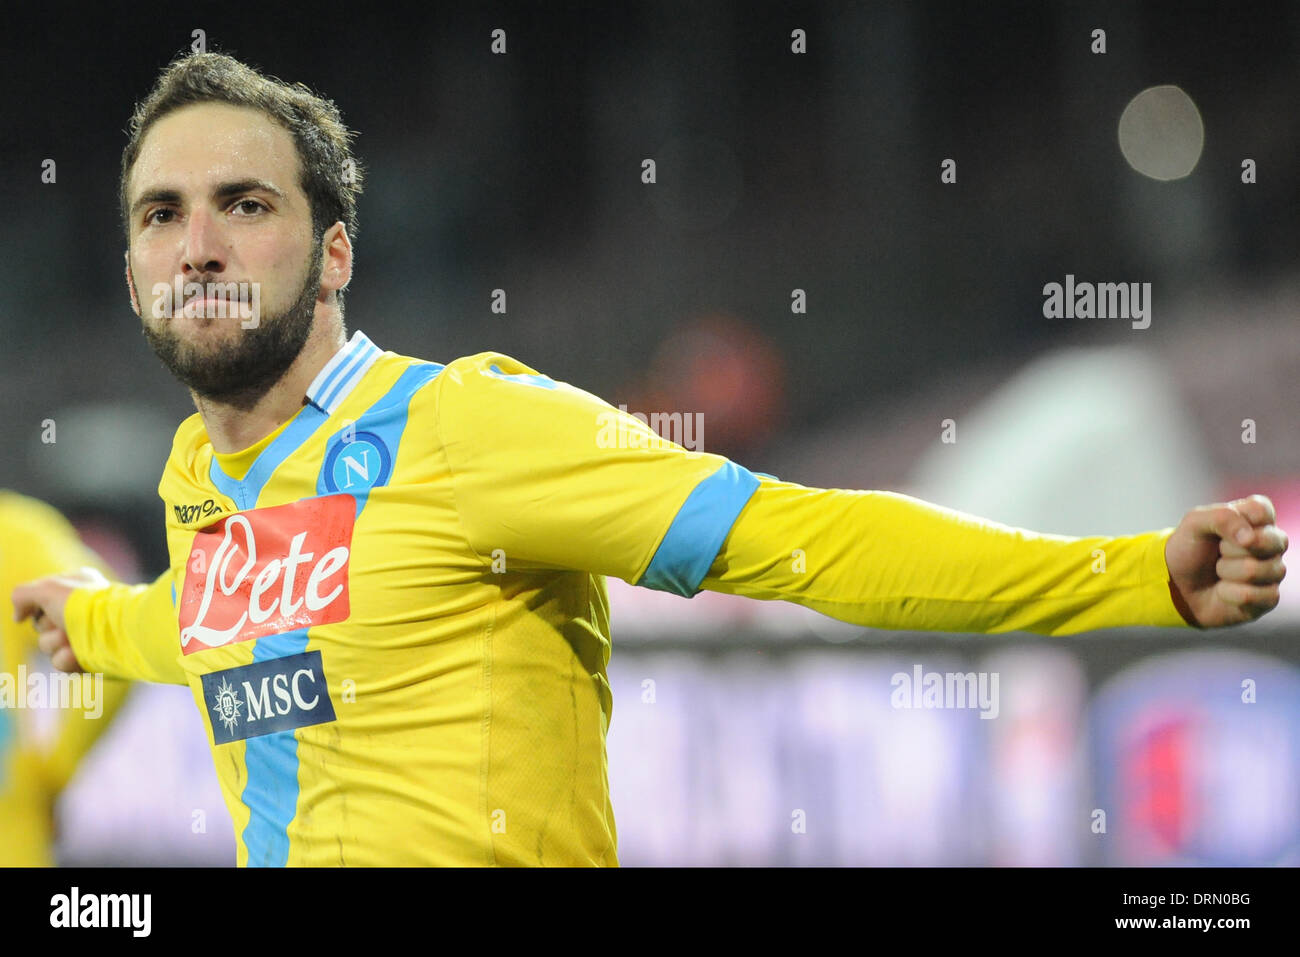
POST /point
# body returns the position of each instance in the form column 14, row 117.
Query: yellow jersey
column 392, row 612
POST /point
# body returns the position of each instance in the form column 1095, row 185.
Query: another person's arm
column 38, row 540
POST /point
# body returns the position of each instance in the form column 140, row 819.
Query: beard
column 240, row 372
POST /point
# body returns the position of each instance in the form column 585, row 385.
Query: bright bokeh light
column 1161, row 134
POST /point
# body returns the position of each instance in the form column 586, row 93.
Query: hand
column 43, row 600
column 1225, row 562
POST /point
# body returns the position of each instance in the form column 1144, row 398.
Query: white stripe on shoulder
column 343, row 372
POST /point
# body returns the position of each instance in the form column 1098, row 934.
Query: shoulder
column 485, row 370
column 489, row 382
column 189, row 439
column 494, row 399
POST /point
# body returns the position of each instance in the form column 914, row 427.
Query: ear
column 130, row 285
column 336, row 265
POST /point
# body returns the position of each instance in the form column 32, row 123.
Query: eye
column 150, row 220
column 257, row 206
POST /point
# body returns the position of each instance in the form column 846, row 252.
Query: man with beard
column 387, row 575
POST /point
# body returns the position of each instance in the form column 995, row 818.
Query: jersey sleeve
column 545, row 473
column 127, row 631
column 887, row 560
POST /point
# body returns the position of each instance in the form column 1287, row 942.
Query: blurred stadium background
column 776, row 172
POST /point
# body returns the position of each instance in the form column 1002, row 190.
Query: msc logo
column 192, row 513
column 267, row 696
column 357, row 465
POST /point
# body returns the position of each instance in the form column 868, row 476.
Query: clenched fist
column 43, row 600
column 1225, row 562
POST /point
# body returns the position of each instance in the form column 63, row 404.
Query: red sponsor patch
column 268, row 571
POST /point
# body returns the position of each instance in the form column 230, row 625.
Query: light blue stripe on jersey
column 271, row 760
column 245, row 491
column 386, row 419
column 344, row 366
column 346, row 373
column 546, row 382
column 6, row 736
column 271, row 791
column 698, row 531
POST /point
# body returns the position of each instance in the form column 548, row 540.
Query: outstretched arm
column 544, row 472
column 886, row 560
column 87, row 624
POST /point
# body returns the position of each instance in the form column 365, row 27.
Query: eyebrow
column 167, row 194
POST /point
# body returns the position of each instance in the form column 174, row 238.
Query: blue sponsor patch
column 278, row 694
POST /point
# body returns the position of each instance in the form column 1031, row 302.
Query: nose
column 204, row 245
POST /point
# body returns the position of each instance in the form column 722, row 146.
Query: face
column 215, row 208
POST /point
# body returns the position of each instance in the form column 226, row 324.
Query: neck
column 235, row 425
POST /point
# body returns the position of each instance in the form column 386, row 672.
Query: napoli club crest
column 357, row 465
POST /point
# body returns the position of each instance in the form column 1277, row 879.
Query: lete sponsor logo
column 268, row 571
